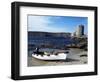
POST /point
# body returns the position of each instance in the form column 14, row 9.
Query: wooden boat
column 60, row 56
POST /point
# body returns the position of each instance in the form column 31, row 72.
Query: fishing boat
column 49, row 56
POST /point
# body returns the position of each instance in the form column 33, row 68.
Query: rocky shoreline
column 75, row 56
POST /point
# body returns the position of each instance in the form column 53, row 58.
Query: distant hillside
column 48, row 34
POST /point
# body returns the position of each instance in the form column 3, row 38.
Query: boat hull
column 61, row 56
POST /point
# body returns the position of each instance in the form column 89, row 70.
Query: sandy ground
column 74, row 57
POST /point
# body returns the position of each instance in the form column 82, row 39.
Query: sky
column 56, row 23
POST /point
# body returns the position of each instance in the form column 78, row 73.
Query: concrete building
column 80, row 31
column 73, row 34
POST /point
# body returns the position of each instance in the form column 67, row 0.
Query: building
column 79, row 31
column 73, row 34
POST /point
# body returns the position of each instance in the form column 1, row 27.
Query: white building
column 79, row 31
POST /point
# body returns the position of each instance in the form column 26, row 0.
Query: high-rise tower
column 80, row 31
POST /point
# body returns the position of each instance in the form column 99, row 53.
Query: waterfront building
column 80, row 31
column 74, row 34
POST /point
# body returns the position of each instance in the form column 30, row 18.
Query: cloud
column 38, row 23
column 44, row 23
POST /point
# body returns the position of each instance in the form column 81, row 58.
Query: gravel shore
column 75, row 56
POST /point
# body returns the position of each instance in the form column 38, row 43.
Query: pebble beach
column 75, row 56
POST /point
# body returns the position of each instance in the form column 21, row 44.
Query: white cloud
column 38, row 23
column 42, row 23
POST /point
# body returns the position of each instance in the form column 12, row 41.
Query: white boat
column 60, row 56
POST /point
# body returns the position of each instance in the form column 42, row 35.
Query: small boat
column 60, row 56
column 49, row 56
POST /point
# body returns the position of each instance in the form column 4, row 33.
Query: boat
column 60, row 56
column 49, row 56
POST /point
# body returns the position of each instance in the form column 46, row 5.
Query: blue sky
column 56, row 23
